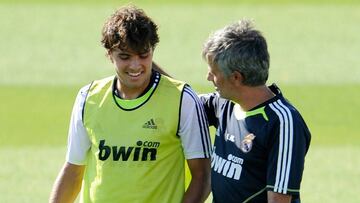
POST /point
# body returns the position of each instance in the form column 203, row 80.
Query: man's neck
column 132, row 93
column 129, row 93
column 250, row 97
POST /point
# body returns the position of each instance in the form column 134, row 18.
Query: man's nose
column 135, row 62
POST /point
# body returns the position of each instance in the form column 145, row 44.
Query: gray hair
column 239, row 47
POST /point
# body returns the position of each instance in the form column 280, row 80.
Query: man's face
column 133, row 69
column 222, row 83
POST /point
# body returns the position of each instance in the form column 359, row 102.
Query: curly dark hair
column 129, row 28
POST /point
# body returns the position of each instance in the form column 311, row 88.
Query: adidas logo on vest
column 150, row 124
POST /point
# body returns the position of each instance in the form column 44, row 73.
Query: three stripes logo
column 150, row 124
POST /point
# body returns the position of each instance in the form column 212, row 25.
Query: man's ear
column 237, row 78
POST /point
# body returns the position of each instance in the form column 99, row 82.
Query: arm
column 210, row 103
column 67, row 184
column 194, row 135
column 199, row 187
column 274, row 197
column 287, row 150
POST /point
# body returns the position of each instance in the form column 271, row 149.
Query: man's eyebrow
column 123, row 53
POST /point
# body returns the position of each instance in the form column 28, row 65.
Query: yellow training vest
column 136, row 155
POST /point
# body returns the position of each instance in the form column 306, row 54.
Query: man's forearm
column 67, row 184
column 274, row 197
column 199, row 188
column 197, row 192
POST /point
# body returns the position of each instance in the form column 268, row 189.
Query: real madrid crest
column 247, row 143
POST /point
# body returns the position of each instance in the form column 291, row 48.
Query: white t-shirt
column 193, row 129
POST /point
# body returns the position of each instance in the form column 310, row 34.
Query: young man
column 130, row 133
column 261, row 139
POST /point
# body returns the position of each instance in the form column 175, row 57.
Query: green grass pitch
column 50, row 49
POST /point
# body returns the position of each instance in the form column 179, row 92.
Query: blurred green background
column 50, row 49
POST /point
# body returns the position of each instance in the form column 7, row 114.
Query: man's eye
column 144, row 55
column 123, row 57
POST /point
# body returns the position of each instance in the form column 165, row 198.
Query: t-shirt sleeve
column 78, row 140
column 193, row 128
column 211, row 102
column 289, row 142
